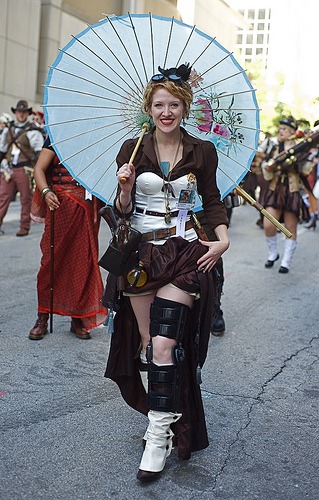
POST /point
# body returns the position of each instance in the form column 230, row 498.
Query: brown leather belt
column 161, row 234
column 155, row 214
column 21, row 164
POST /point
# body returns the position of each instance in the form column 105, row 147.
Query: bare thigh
column 141, row 306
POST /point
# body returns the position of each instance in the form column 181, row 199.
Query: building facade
column 252, row 41
column 280, row 37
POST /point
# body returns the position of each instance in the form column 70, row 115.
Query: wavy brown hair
column 182, row 91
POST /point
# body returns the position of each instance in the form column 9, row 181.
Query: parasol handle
column 263, row 211
column 145, row 128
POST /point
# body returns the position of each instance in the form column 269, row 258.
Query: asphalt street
column 67, row 434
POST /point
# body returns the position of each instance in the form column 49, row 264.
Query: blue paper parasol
column 93, row 96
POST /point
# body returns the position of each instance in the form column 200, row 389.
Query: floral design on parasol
column 94, row 89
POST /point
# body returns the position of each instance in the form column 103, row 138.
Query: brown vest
column 21, row 140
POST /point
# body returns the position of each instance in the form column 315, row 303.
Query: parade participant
column 38, row 120
column 282, row 198
column 264, row 153
column 313, row 185
column 77, row 286
column 162, row 319
column 311, row 189
column 5, row 120
column 20, row 145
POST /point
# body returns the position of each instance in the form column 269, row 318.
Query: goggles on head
column 160, row 78
column 176, row 75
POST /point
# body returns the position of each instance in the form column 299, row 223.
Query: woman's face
column 284, row 133
column 167, row 111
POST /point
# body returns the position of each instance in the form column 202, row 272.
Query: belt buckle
column 155, row 232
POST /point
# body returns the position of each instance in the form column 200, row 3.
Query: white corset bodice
column 150, row 196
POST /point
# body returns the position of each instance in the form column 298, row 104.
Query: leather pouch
column 124, row 242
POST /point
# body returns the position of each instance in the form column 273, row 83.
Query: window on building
column 249, row 39
column 262, row 14
column 260, row 39
column 251, row 13
column 261, row 26
column 240, row 39
column 249, row 52
column 259, row 51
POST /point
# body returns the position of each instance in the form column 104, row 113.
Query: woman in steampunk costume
column 165, row 323
column 283, row 197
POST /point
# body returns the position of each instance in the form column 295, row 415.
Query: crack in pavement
column 257, row 400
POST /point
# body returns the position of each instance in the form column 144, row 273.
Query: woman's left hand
column 214, row 252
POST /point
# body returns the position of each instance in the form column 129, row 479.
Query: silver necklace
column 167, row 188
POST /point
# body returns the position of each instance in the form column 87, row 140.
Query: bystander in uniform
column 20, row 145
column 283, row 197
column 264, row 153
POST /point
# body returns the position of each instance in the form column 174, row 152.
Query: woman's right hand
column 126, row 177
column 52, row 200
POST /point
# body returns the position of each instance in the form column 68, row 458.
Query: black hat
column 22, row 106
column 290, row 122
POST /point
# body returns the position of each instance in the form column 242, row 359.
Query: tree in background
column 275, row 103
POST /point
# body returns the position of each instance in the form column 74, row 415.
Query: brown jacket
column 199, row 157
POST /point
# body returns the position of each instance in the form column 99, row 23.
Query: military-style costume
column 284, row 193
column 20, row 145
